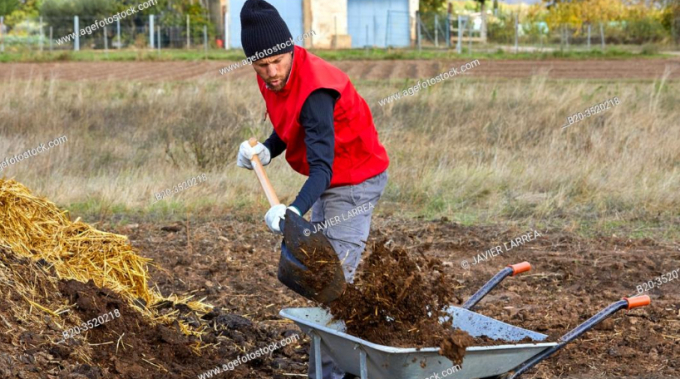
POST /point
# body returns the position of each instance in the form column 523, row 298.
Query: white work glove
column 275, row 215
column 246, row 153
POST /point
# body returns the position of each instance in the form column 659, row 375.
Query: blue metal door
column 290, row 11
column 378, row 23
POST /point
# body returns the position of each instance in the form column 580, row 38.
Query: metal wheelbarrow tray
column 368, row 360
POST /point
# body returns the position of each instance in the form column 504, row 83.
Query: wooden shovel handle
column 262, row 176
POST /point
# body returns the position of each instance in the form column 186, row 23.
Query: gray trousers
column 344, row 214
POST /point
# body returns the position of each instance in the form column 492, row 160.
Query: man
column 328, row 134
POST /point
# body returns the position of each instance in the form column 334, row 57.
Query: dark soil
column 129, row 346
column 234, row 266
column 397, row 300
column 134, row 339
column 453, row 347
column 637, row 68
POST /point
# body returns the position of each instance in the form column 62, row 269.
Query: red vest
column 359, row 155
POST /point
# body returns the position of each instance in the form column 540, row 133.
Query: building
column 337, row 23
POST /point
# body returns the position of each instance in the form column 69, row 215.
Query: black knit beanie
column 263, row 31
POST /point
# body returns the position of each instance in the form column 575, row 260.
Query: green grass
column 332, row 55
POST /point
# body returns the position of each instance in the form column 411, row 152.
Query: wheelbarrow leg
column 317, row 356
column 363, row 367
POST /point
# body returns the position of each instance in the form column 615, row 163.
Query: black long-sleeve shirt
column 316, row 117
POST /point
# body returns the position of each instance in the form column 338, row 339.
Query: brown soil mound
column 397, row 301
column 128, row 346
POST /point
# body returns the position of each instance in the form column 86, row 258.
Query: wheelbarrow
column 368, row 360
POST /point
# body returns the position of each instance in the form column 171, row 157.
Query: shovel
column 300, row 245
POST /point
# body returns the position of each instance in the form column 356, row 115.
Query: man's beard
column 283, row 81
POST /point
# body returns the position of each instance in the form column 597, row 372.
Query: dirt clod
column 397, row 300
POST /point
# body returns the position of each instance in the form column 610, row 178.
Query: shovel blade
column 325, row 280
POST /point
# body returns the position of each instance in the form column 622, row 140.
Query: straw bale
column 34, row 227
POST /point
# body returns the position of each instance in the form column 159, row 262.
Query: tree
column 578, row 12
column 431, row 5
column 8, row 6
column 482, row 7
column 59, row 13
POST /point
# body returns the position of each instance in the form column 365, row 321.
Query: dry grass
column 472, row 150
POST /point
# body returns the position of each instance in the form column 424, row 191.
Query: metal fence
column 512, row 31
column 38, row 34
column 505, row 31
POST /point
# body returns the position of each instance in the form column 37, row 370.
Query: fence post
column 448, row 30
column 42, row 34
column 118, row 33
column 516, row 33
column 366, row 45
column 335, row 33
column 459, row 44
column 106, row 42
column 602, row 35
column 76, row 31
column 159, row 40
column 469, row 36
column 51, row 39
column 387, row 28
column 152, row 29
column 436, row 30
column 2, row 36
column 589, row 28
column 375, row 31
column 205, row 40
column 566, row 35
column 226, row 31
column 418, row 30
column 188, row 34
